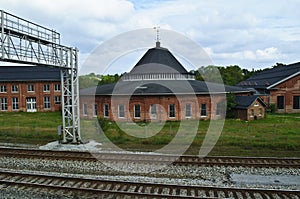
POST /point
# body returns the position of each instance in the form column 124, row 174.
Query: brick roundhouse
column 157, row 88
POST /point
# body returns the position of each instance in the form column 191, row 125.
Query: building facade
column 30, row 89
column 279, row 86
column 158, row 88
column 250, row 108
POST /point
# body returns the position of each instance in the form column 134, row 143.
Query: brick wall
column 162, row 107
column 288, row 90
column 22, row 94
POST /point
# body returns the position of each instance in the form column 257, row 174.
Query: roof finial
column 157, row 36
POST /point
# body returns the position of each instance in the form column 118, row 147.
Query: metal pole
column 77, row 95
column 73, row 95
column 2, row 34
column 64, row 140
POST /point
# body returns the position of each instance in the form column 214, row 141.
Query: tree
column 209, row 73
column 230, row 75
column 108, row 79
column 231, row 104
column 89, row 80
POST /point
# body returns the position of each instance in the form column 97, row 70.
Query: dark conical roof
column 158, row 60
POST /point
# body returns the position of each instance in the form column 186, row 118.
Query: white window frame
column 219, row 109
column 57, row 88
column 121, row 113
column 95, row 110
column 15, row 103
column 85, row 109
column 202, row 109
column 105, row 110
column 153, row 111
column 46, row 88
column 172, row 105
column 3, row 89
column 57, row 99
column 137, row 111
column 188, row 110
column 4, row 105
column 47, row 102
column 14, row 88
column 251, row 112
column 30, row 88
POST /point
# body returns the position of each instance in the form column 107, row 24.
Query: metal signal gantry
column 25, row 42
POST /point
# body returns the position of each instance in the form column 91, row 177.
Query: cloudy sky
column 250, row 33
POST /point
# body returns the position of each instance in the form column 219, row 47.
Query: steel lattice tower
column 25, row 42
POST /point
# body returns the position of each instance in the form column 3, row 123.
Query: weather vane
column 157, row 33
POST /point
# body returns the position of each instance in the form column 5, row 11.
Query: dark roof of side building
column 161, row 87
column 270, row 78
column 244, row 102
column 29, row 73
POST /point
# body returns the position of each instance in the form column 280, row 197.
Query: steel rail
column 152, row 158
column 136, row 189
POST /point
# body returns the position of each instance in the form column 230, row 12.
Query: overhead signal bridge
column 28, row 43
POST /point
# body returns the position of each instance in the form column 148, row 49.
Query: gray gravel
column 185, row 175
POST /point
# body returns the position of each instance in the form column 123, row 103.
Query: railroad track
column 90, row 187
column 152, row 158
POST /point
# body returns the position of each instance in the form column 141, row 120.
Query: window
column 188, row 110
column 95, row 111
column 85, row 109
column 3, row 89
column 57, row 99
column 30, row 88
column 14, row 88
column 106, row 113
column 57, row 87
column 121, row 112
column 251, row 112
column 280, row 102
column 296, row 102
column 137, row 111
column 260, row 111
column 153, row 109
column 203, row 110
column 4, row 104
column 31, row 104
column 46, row 87
column 219, row 108
column 15, row 103
column 46, row 102
column 172, row 110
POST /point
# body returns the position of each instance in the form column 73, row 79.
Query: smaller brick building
column 30, row 88
column 250, row 107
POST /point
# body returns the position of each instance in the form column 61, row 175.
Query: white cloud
column 271, row 53
column 247, row 33
column 264, row 55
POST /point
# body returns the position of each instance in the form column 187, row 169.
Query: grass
column 29, row 128
column 277, row 135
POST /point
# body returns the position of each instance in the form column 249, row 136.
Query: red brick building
column 250, row 107
column 279, row 86
column 30, row 88
column 157, row 88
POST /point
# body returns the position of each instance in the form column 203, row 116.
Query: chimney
column 157, row 44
